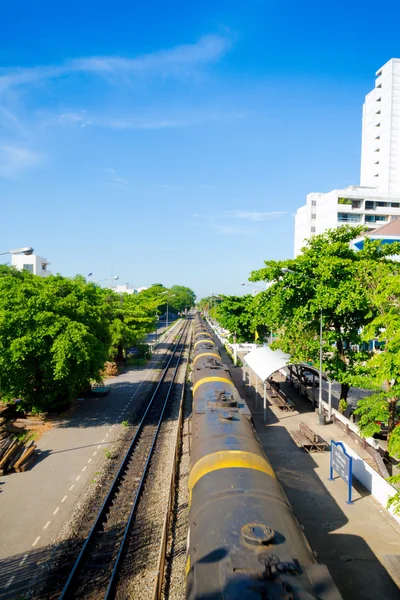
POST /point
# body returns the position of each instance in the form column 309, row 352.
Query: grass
column 107, row 454
column 134, row 361
column 125, row 423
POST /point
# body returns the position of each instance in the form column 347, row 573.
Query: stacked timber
column 15, row 455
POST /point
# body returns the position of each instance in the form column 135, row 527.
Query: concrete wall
column 380, row 489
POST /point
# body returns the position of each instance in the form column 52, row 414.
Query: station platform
column 359, row 543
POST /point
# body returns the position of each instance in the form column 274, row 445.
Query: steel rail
column 159, row 582
column 69, row 585
column 111, row 587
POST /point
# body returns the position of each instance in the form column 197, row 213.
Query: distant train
column 244, row 541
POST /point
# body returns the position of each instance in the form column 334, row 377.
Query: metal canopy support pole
column 320, row 410
column 265, row 401
column 244, row 376
column 235, row 354
column 330, row 400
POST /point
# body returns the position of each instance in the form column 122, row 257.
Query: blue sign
column 342, row 463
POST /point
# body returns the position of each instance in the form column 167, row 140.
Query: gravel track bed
column 175, row 577
column 53, row 571
column 139, row 571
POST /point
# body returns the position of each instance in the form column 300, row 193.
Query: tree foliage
column 56, row 333
column 383, row 368
column 331, row 276
column 237, row 315
column 54, row 337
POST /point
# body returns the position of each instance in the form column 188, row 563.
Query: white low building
column 354, row 205
column 33, row 263
column 376, row 201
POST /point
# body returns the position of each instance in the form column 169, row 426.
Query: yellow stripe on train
column 203, row 342
column 228, row 459
column 210, row 380
column 207, row 354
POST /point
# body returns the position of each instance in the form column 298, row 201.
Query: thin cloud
column 115, row 180
column 176, row 62
column 74, row 118
column 14, row 159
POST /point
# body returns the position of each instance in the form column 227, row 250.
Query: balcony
column 348, row 218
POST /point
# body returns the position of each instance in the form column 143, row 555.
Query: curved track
column 95, row 571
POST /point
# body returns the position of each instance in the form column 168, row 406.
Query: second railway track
column 95, row 572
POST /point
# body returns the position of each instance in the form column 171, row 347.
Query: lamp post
column 168, row 297
column 321, row 416
column 255, row 290
column 28, row 251
column 107, row 279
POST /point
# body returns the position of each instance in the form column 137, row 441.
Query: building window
column 312, row 229
column 369, row 205
column 313, row 203
column 313, row 216
column 348, row 218
column 394, row 204
column 375, row 218
column 28, row 268
column 43, row 266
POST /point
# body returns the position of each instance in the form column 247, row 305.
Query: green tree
column 133, row 316
column 54, row 337
column 181, row 297
column 237, row 315
column 331, row 276
column 382, row 370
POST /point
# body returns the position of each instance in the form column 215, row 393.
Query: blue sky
column 173, row 141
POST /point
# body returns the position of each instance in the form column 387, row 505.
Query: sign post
column 342, row 463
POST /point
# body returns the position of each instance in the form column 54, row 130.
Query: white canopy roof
column 264, row 361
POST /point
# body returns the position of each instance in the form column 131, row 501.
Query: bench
column 279, row 398
column 309, row 440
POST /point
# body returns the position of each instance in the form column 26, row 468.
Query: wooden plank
column 23, row 458
column 8, row 453
column 28, row 463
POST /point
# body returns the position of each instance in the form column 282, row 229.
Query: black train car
column 244, row 541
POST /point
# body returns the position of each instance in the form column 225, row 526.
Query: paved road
column 34, row 505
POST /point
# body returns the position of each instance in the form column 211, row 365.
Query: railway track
column 96, row 570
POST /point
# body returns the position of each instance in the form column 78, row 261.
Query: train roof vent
column 212, row 363
column 257, row 534
column 223, row 399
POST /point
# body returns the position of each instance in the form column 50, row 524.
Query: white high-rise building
column 377, row 200
column 380, row 150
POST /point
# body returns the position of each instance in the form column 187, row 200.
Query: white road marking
column 94, row 453
column 90, row 460
column 78, row 478
column 56, row 511
column 110, row 429
column 103, row 440
column 72, row 486
column 84, row 469
column 98, row 447
column 36, row 541
column 106, row 435
column 9, row 582
column 64, row 499
column 23, row 560
column 47, row 524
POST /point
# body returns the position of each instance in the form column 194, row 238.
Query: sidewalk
column 352, row 540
